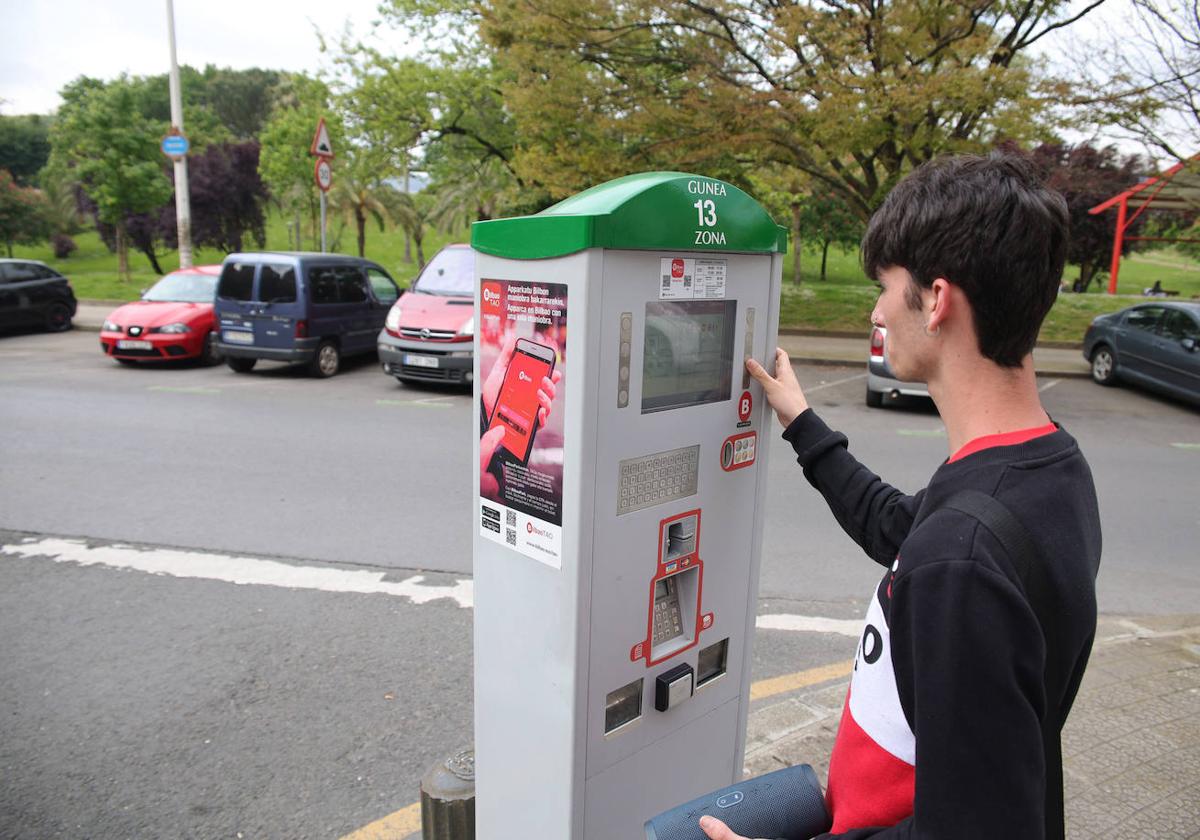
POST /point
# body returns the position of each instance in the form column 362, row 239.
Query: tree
column 24, row 146
column 356, row 192
column 1086, row 176
column 284, row 163
column 851, row 94
column 113, row 150
column 23, row 216
column 412, row 211
column 446, row 108
column 826, row 220
column 241, row 99
column 227, row 196
column 1149, row 83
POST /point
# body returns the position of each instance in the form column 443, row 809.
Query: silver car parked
column 881, row 382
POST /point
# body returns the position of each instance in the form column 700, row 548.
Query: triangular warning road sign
column 321, row 147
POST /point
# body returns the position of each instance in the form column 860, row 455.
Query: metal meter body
column 619, row 518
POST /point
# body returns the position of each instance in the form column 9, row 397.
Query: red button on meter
column 745, row 406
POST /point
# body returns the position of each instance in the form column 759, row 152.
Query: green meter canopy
column 670, row 211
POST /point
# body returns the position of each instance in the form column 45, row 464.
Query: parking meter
column 620, row 470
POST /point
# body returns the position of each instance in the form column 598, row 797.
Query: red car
column 173, row 320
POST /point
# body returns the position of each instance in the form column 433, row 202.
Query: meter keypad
column 667, row 620
column 653, row 479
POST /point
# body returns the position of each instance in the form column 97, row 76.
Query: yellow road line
column 791, row 682
column 408, row 820
column 392, row 827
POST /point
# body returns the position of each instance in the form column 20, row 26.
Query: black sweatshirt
column 942, row 734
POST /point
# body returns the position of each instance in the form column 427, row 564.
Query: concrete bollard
column 448, row 798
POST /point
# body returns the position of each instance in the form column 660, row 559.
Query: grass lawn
column 840, row 303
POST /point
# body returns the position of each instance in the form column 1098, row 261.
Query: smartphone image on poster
column 516, row 408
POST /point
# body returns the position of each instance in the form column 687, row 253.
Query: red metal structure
column 1176, row 189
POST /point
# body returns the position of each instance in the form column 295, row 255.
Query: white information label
column 683, row 278
column 676, row 278
column 524, row 534
column 709, row 279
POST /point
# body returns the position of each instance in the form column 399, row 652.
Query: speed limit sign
column 324, row 174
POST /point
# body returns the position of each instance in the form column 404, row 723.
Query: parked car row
column 308, row 309
column 316, row 309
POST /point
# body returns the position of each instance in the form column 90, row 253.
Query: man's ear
column 939, row 304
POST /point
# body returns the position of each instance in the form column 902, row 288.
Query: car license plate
column 238, row 337
column 420, row 361
column 125, row 344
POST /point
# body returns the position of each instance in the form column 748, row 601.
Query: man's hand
column 782, row 390
column 714, row 828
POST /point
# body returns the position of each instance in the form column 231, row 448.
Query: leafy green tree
column 849, row 94
column 23, row 213
column 241, row 99
column 826, row 220
column 447, row 109
column 284, row 163
column 113, row 150
column 357, row 192
column 413, row 212
column 24, row 146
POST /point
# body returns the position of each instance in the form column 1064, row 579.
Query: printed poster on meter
column 522, row 364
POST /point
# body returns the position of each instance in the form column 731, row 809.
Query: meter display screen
column 687, row 357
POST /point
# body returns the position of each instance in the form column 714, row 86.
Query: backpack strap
column 1023, row 553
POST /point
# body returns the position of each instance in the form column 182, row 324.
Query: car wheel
column 240, row 365
column 874, row 399
column 58, row 318
column 210, row 354
column 327, row 361
column 1104, row 366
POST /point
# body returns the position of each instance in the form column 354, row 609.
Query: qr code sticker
column 510, row 517
column 666, row 282
column 510, row 536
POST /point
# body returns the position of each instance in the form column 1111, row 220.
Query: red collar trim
column 1003, row 439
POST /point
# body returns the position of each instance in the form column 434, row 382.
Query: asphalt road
column 308, row 703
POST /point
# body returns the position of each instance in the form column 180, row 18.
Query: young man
column 967, row 665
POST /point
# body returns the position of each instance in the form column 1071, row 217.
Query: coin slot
column 623, row 706
column 712, row 662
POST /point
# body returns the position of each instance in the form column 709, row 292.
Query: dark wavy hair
column 990, row 226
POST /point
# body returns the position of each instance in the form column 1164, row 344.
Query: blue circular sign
column 175, row 145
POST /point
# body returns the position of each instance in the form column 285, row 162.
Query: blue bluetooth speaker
column 784, row 805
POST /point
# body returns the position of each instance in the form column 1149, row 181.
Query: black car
column 32, row 294
column 1152, row 344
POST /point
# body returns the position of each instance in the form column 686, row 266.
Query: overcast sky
column 47, row 43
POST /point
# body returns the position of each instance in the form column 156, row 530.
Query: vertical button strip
column 623, row 356
column 748, row 347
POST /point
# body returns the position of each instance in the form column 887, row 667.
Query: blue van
column 309, row 309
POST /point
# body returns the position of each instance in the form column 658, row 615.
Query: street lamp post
column 183, row 213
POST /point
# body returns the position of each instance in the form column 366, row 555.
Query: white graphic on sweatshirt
column 874, row 698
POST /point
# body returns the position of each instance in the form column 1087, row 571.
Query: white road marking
column 1049, row 385
column 1192, row 446
column 810, row 624
column 824, row 385
column 241, row 570
column 252, row 571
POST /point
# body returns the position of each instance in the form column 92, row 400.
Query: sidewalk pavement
column 1131, row 746
column 805, row 349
